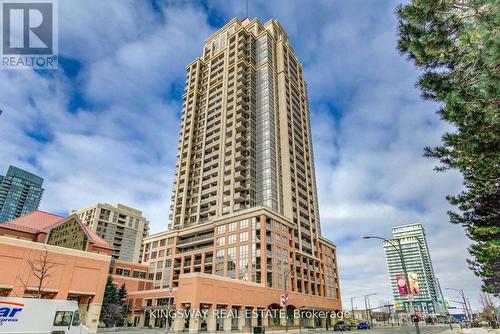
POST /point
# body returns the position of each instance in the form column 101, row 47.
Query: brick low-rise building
column 76, row 259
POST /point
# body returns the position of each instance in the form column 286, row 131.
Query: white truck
column 39, row 316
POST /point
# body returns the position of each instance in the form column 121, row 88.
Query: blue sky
column 104, row 127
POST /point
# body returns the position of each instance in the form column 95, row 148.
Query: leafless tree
column 41, row 268
column 489, row 310
column 386, row 308
column 113, row 313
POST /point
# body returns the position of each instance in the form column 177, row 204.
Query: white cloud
column 120, row 146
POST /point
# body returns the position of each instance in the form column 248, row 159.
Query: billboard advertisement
column 401, row 281
column 414, row 289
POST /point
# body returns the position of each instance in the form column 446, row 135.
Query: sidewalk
column 472, row 331
column 304, row 331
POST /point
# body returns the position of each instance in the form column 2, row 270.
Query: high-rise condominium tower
column 244, row 217
column 245, row 138
column 20, row 193
column 418, row 263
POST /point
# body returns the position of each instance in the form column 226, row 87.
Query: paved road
column 390, row 330
column 393, row 330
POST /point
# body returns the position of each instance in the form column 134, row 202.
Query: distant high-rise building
column 20, row 193
column 122, row 227
column 418, row 262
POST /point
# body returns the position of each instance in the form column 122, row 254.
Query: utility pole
column 370, row 308
column 467, row 314
column 470, row 309
column 464, row 303
column 367, row 308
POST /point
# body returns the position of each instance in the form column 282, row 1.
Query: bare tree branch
column 41, row 268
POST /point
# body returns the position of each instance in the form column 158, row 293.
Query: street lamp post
column 403, row 265
column 352, row 308
column 167, row 325
column 286, row 299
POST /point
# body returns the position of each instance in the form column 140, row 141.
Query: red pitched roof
column 33, row 222
column 95, row 239
column 41, row 222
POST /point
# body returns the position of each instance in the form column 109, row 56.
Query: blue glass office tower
column 20, row 193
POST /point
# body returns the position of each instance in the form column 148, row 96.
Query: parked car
column 363, row 325
column 342, row 326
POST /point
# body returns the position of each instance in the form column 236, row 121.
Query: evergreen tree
column 122, row 301
column 122, row 294
column 109, row 301
column 456, row 45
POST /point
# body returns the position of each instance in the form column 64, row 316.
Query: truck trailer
column 40, row 316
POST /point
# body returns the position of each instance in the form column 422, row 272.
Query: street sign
column 284, row 299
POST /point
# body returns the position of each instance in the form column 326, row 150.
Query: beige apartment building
column 123, row 227
column 244, row 224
